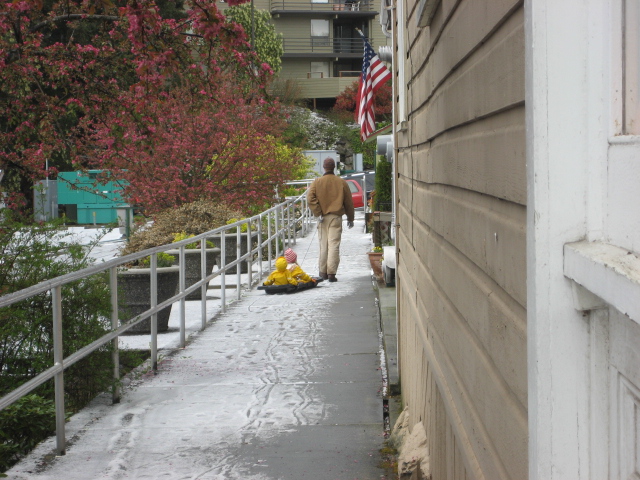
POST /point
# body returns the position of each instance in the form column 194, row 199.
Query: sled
column 274, row 289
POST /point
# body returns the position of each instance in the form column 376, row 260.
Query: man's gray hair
column 329, row 164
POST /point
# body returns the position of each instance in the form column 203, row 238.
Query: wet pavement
column 279, row 387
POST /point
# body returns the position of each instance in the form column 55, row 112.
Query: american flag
column 374, row 75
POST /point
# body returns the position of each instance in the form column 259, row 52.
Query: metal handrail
column 282, row 223
column 328, row 44
column 328, row 6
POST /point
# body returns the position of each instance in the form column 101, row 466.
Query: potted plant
column 192, row 256
column 375, row 259
column 134, row 283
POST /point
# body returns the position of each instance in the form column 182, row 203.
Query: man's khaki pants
column 329, row 234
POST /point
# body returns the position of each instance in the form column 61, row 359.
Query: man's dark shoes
column 324, row 275
column 332, row 277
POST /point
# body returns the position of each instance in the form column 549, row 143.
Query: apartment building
column 322, row 48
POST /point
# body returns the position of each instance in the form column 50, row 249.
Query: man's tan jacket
column 330, row 194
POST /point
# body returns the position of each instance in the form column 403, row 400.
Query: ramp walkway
column 279, row 387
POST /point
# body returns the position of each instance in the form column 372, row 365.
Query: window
column 319, row 33
column 319, row 70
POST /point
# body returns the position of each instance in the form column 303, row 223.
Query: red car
column 356, row 193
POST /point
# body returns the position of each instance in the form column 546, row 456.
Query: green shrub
column 32, row 253
column 23, row 425
column 178, row 237
column 293, row 191
column 383, row 187
column 243, row 228
column 164, row 260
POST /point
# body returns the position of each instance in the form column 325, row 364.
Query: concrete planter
column 230, row 240
column 192, row 266
column 135, row 295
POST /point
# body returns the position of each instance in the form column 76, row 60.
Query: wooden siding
column 324, row 87
column 296, row 68
column 299, row 26
column 461, row 210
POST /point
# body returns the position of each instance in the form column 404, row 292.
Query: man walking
column 329, row 198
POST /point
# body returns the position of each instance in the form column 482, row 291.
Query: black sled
column 274, row 289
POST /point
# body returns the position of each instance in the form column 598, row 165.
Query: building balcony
column 318, row 86
column 319, row 47
column 348, row 7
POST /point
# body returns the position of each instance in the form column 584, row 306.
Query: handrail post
column 154, row 317
column 277, row 230
column 283, row 231
column 260, row 246
column 223, row 263
column 115, row 354
column 58, row 357
column 203, row 287
column 269, row 246
column 250, row 257
column 294, row 223
column 289, row 233
column 303, row 214
column 183, row 283
column 307, row 214
column 238, row 264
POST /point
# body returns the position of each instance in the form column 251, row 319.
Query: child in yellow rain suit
column 281, row 276
column 294, row 268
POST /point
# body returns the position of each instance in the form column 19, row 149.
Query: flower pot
column 230, row 241
column 192, row 266
column 135, row 296
column 375, row 259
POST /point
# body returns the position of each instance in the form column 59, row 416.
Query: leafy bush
column 310, row 130
column 178, row 237
column 293, row 191
column 29, row 254
column 163, row 260
column 383, row 186
column 368, row 150
column 190, row 219
column 243, row 227
column 23, row 425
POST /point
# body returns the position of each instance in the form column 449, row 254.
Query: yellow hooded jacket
column 298, row 273
column 281, row 276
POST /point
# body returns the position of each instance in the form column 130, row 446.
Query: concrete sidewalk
column 282, row 387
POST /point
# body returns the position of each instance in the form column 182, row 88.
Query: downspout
column 391, row 56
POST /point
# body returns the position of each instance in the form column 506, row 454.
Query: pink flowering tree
column 116, row 85
column 186, row 144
